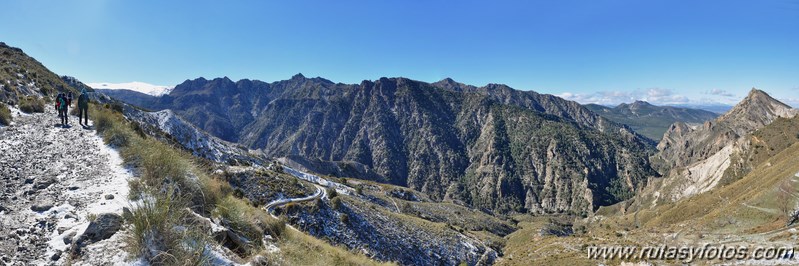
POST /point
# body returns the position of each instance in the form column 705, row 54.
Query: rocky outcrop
column 170, row 128
column 683, row 146
column 697, row 158
column 387, row 236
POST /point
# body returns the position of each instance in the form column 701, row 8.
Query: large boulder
column 42, row 206
column 105, row 226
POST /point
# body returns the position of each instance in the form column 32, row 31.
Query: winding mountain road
column 320, row 192
column 320, row 184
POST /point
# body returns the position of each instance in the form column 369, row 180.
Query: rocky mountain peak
column 298, row 76
column 758, row 107
column 450, row 84
column 640, row 104
column 755, row 111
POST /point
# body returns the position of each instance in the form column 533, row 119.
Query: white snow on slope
column 146, row 88
column 340, row 188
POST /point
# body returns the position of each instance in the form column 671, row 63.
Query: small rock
column 73, row 188
column 109, row 197
column 44, row 183
column 42, row 206
column 68, row 238
column 61, row 230
column 56, row 255
column 29, row 180
column 126, row 213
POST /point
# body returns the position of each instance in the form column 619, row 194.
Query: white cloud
column 657, row 96
column 146, row 88
column 720, row 92
column 793, row 102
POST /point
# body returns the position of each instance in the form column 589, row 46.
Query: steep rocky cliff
column 697, row 158
column 493, row 147
column 683, row 145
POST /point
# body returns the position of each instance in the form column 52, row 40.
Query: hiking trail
column 54, row 181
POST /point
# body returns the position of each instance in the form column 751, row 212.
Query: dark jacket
column 83, row 101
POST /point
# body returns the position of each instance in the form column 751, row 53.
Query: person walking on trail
column 83, row 108
column 63, row 109
column 58, row 104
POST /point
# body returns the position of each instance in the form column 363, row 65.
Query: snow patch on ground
column 116, row 185
column 340, row 188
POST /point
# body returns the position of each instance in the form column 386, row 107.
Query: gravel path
column 53, row 180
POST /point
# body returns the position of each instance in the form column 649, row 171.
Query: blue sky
column 591, row 51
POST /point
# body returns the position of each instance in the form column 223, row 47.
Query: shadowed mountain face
column 650, row 120
column 493, row 147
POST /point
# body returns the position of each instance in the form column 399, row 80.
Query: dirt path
column 53, row 180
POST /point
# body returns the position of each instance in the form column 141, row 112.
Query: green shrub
column 238, row 216
column 335, row 203
column 248, row 221
column 5, row 115
column 274, row 227
column 136, row 189
column 31, row 104
column 159, row 235
column 103, row 120
column 213, row 190
column 159, row 163
column 118, row 136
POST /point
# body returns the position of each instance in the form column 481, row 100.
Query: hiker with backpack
column 58, row 104
column 62, row 105
column 83, row 108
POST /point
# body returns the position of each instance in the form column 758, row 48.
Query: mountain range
column 406, row 171
column 491, row 147
column 650, row 120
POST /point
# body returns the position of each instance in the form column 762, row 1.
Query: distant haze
column 146, row 88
